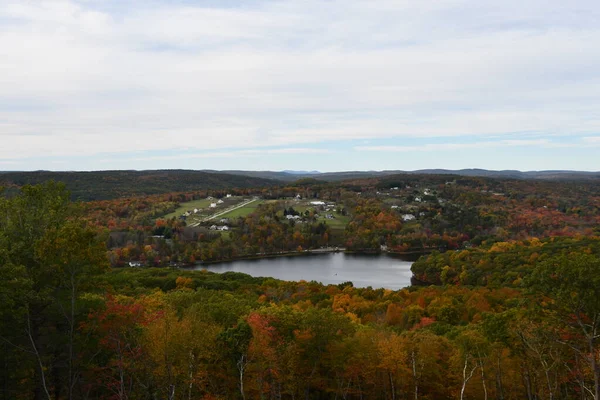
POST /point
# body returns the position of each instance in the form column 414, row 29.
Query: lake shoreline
column 307, row 253
column 380, row 270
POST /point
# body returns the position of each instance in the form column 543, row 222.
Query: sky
column 326, row 85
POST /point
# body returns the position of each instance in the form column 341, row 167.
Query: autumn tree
column 51, row 254
column 571, row 285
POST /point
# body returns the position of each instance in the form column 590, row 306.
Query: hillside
column 103, row 185
column 288, row 176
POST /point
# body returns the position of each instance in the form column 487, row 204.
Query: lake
column 378, row 271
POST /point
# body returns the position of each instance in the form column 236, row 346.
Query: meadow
column 190, row 205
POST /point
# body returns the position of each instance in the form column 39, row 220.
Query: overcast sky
column 304, row 84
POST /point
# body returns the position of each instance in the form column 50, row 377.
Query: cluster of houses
column 197, row 210
column 224, row 227
column 329, row 206
column 214, row 205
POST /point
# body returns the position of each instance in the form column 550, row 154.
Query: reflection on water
column 378, row 271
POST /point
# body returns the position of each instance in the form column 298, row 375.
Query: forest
column 505, row 302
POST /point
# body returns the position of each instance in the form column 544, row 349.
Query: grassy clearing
column 242, row 211
column 190, row 205
column 339, row 222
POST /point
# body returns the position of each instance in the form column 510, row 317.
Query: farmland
column 243, row 211
column 190, row 205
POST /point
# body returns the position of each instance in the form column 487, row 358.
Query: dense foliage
column 104, row 185
column 513, row 311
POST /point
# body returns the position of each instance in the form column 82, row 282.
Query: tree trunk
column 42, row 374
column 595, row 369
column 483, row 379
column 241, row 364
column 466, row 377
column 499, row 387
column 414, row 369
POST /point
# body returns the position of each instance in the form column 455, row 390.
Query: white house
column 408, row 217
column 289, row 216
column 196, row 211
column 213, row 227
column 228, row 195
column 220, row 201
column 394, row 206
column 223, row 228
column 213, row 205
column 317, row 203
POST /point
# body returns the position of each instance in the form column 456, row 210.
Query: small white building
column 220, row 201
column 213, row 205
column 317, row 203
column 223, row 228
column 408, row 217
column 196, row 211
column 289, row 216
column 213, row 227
column 394, row 206
column 228, row 195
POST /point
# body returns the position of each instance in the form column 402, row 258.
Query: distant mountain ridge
column 102, row 185
column 287, row 171
column 344, row 175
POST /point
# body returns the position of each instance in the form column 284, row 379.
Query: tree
column 571, row 285
column 50, row 253
column 237, row 341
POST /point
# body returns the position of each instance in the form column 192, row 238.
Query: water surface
column 377, row 271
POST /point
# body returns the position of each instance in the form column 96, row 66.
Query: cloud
column 592, row 139
column 89, row 77
column 232, row 154
column 460, row 146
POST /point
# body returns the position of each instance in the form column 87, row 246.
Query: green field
column 339, row 222
column 242, row 211
column 190, row 205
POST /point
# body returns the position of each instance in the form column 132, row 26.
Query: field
column 190, row 205
column 339, row 222
column 242, row 211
